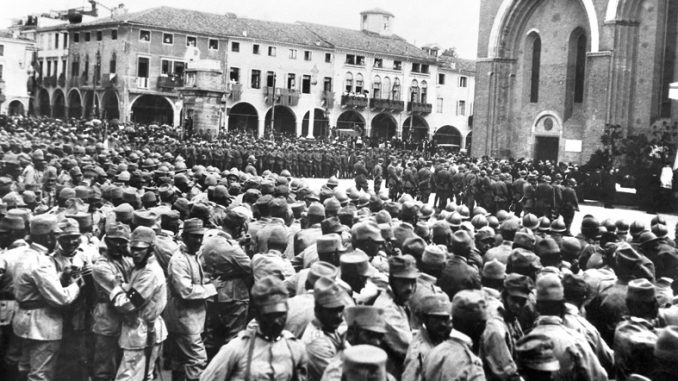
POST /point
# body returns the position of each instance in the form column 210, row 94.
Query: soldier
column 500, row 194
column 535, row 358
column 545, row 197
column 410, row 179
column 141, row 301
column 424, row 183
column 442, row 185
column 185, row 312
column 454, row 358
column 392, row 179
column 666, row 361
column 360, row 173
column 378, row 174
column 457, row 185
column 458, row 274
column 264, row 350
column 529, row 199
column 365, row 363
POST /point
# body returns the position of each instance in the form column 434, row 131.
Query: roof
column 378, row 11
column 5, row 34
column 457, row 64
column 350, row 39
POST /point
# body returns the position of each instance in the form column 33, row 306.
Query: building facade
column 300, row 78
column 16, row 55
column 552, row 74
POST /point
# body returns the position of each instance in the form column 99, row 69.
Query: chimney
column 377, row 21
column 119, row 11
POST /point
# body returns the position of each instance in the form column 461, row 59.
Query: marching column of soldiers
column 121, row 263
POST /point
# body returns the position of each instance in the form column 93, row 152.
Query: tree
column 450, row 52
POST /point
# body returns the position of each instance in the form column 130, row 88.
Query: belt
column 32, row 304
column 6, row 295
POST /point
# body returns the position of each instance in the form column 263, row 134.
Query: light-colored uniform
column 414, row 360
column 453, row 359
column 321, row 348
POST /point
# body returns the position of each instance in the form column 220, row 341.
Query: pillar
column 261, row 127
column 299, row 122
column 311, row 123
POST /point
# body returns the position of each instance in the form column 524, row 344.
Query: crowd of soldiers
column 124, row 259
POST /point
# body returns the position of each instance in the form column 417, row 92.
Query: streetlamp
column 97, row 74
column 311, row 114
column 222, row 122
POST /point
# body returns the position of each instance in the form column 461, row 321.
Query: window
column 171, row 68
column 112, row 64
column 49, row 67
column 534, row 69
column 179, row 68
column 270, row 79
column 85, row 72
column 423, row 98
column 191, row 41
column 293, row 54
column 65, row 40
column 255, row 49
column 385, row 88
column 360, row 60
column 350, row 59
column 291, row 81
column 461, row 108
column 395, row 91
column 376, row 87
column 439, row 105
column 580, row 69
column 142, row 67
column 327, row 84
column 271, row 51
column 235, row 46
column 378, row 62
column 328, row 57
column 87, row 36
column 349, row 83
column 416, row 68
column 397, row 65
column 307, row 55
column 234, row 75
column 255, row 79
column 168, row 39
column 144, row 36
column 424, row 68
column 1, row 72
column 75, row 66
column 463, row 81
column 306, row 84
column 414, row 91
column 213, row 44
column 63, row 67
column 2, row 50
column 100, row 35
column 359, row 83
column 76, row 37
column 165, row 67
column 441, row 79
column 56, row 40
column 114, row 34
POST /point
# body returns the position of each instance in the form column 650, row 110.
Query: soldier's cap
column 332, row 225
column 264, row 200
column 437, row 304
column 667, row 344
column 355, row 263
column 9, row 223
column 66, row 193
column 454, row 219
column 118, row 231
column 622, row 227
column 367, row 230
column 574, row 286
column 68, row 227
column 43, row 224
column 332, row 205
column 408, row 210
column 269, row 295
column 5, row 181
column 414, row 246
column 321, row 269
column 142, row 236
column 535, row 351
column 525, row 239
column 181, row 204
column 23, row 214
column 200, row 210
column 469, row 305
column 640, row 290
column 530, row 221
column 558, row 226
column 83, row 219
column 330, row 243
column 312, row 195
column 328, row 293
column 518, row 285
column 382, row 217
column 547, row 247
column 364, row 363
column 626, row 256
column 124, row 176
column 571, row 247
column 341, row 196
column 369, row 318
column 550, row 288
column 144, row 218
column 124, row 212
column 403, row 266
column 646, row 238
column 660, row 230
column 29, row 197
column 274, row 236
column 434, row 257
column 267, row 187
column 462, row 243
column 494, row 269
column 316, row 209
column 485, row 233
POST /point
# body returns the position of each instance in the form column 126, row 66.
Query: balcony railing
column 61, row 81
column 354, row 101
column 387, row 105
column 142, row 82
column 50, row 81
column 236, row 92
column 280, row 96
column 169, row 82
column 327, row 99
column 421, row 108
column 109, row 80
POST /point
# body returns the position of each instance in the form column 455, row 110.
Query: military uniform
column 453, row 359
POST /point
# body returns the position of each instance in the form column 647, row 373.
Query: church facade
column 552, row 73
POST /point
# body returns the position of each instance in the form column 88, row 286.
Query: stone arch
column 282, row 119
column 58, row 104
column 576, row 69
column 74, row 104
column 91, row 109
column 384, row 125
column 16, row 107
column 44, row 108
column 351, row 120
column 419, row 128
column 513, row 14
column 110, row 105
column 321, row 125
column 468, row 141
column 448, row 135
column 152, row 109
column 622, row 10
column 243, row 117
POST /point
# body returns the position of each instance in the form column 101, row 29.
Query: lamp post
column 223, row 116
column 311, row 114
column 97, row 70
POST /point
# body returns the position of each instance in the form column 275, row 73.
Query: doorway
column 546, row 148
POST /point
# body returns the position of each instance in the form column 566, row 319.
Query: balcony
column 169, row 82
column 83, row 79
column 236, row 91
column 354, row 101
column 74, row 82
column 109, row 80
column 280, row 96
column 327, row 99
column 387, row 105
column 419, row 108
column 142, row 82
column 61, row 81
column 50, row 81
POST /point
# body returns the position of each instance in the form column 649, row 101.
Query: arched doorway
column 351, row 120
column 15, row 108
column 448, row 135
column 59, row 106
column 468, row 141
column 419, row 129
column 285, row 122
column 243, row 117
column 74, row 104
column 43, row 103
column 109, row 105
column 90, row 107
column 321, row 125
column 383, row 126
column 149, row 109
